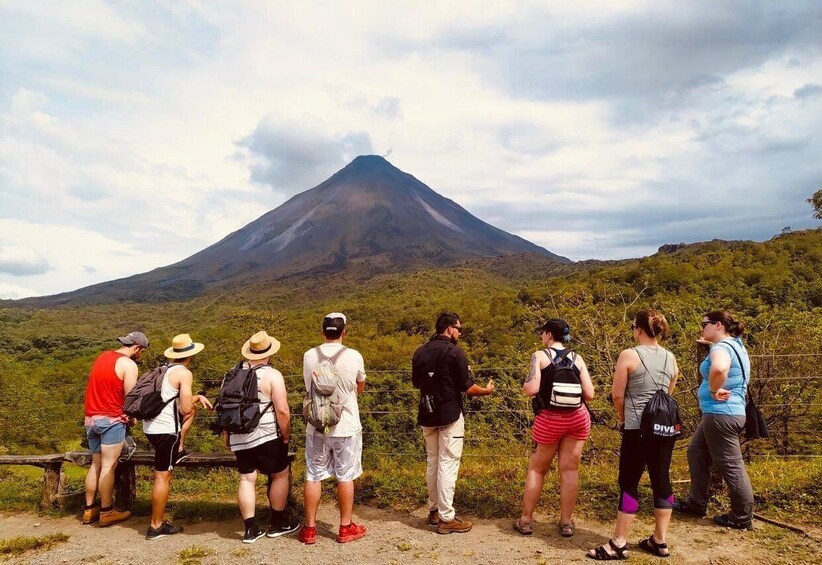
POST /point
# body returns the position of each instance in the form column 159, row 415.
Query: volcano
column 368, row 213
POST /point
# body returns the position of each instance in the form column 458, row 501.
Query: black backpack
column 238, row 405
column 145, row 400
column 560, row 388
column 755, row 425
column 660, row 417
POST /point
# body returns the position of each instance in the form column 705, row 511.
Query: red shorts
column 551, row 426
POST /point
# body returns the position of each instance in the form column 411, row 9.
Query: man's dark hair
column 446, row 320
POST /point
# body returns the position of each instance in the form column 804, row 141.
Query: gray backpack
column 323, row 404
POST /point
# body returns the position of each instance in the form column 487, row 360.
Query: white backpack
column 323, row 403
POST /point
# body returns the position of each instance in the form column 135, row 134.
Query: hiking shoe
column 728, row 522
column 285, row 527
column 455, row 526
column 434, row 518
column 684, row 508
column 308, row 535
column 182, row 455
column 350, row 532
column 253, row 534
column 113, row 516
column 165, row 529
column 91, row 515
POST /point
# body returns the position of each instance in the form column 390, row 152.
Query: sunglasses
column 705, row 324
column 633, row 326
column 458, row 328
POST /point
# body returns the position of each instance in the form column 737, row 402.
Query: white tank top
column 267, row 430
column 168, row 421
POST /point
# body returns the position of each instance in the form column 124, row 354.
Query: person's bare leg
column 570, row 450
column 662, row 517
column 622, row 528
column 278, row 491
column 159, row 497
column 246, row 495
column 108, row 463
column 538, row 466
column 345, row 499
column 92, row 478
column 311, row 501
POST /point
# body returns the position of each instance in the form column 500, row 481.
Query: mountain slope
column 369, row 214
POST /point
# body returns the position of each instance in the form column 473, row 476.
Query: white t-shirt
column 267, row 430
column 352, row 371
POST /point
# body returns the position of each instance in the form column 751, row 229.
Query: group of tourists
column 558, row 383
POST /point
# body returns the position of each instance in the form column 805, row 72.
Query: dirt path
column 399, row 537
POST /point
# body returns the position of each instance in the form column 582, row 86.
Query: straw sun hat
column 182, row 346
column 259, row 346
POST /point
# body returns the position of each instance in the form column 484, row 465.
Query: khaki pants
column 443, row 446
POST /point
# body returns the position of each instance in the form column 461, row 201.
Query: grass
column 193, row 555
column 21, row 544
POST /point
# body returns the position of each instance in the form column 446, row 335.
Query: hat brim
column 246, row 350
column 171, row 354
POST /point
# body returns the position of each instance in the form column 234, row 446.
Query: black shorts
column 166, row 449
column 268, row 458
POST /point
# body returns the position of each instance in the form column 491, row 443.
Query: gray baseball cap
column 134, row 338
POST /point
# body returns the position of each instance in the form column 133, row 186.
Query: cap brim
column 171, row 354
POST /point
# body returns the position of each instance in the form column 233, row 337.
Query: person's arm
column 584, row 378
column 360, row 374
column 129, row 373
column 532, row 381
column 720, row 365
column 620, row 385
column 416, row 379
column 672, row 386
column 279, row 397
column 186, row 400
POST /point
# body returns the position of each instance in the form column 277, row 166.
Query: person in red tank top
column 112, row 376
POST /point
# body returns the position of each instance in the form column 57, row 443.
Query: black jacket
column 450, row 379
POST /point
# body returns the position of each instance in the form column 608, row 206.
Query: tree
column 816, row 201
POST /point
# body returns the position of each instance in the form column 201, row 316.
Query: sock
column 107, row 508
column 277, row 518
column 250, row 523
column 89, row 506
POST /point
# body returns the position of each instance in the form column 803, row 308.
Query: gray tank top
column 655, row 371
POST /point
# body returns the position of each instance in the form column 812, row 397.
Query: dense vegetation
column 775, row 287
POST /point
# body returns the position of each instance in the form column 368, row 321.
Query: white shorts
column 339, row 457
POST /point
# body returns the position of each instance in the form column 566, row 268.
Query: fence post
column 51, row 484
column 125, row 485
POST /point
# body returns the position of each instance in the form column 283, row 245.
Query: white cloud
column 122, row 121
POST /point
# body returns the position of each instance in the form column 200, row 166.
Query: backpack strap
column 320, row 355
column 336, row 357
column 559, row 354
column 741, row 366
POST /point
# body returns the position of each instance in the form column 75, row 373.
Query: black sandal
column 651, row 546
column 601, row 554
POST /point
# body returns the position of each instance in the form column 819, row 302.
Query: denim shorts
column 105, row 431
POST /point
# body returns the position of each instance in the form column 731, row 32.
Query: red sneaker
column 350, row 532
column 308, row 535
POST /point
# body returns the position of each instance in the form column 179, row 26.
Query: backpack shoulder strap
column 738, row 358
column 559, row 354
column 320, row 355
column 338, row 354
column 647, row 371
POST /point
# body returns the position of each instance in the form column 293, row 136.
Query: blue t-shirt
column 735, row 405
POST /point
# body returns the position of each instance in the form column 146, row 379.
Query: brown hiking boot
column 455, row 526
column 113, row 516
column 91, row 515
column 434, row 518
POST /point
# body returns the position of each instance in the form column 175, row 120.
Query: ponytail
column 734, row 327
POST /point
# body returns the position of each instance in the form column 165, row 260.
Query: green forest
column 775, row 287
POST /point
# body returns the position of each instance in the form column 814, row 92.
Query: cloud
column 20, row 261
column 807, row 91
column 292, row 156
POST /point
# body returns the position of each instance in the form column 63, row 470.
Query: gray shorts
column 339, row 457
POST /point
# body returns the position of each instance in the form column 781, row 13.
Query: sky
column 134, row 134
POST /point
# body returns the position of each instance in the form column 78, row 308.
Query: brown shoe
column 434, row 518
column 91, row 515
column 114, row 516
column 455, row 526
